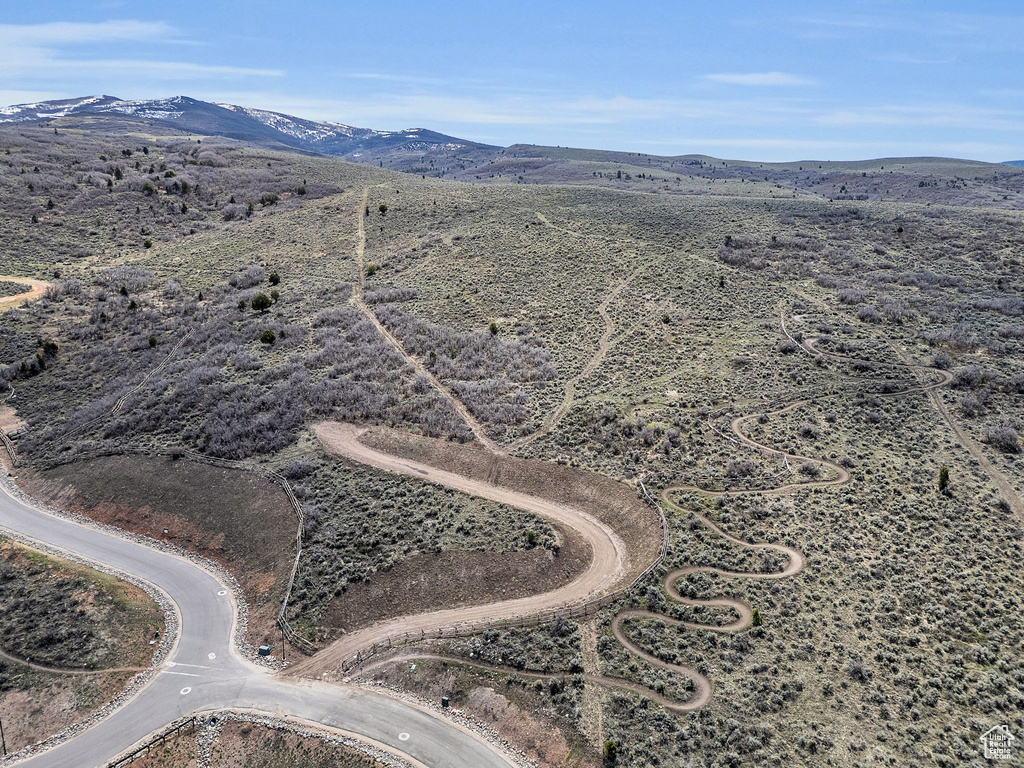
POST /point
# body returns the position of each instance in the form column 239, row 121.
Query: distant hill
column 1015, row 163
column 189, row 115
column 423, row 152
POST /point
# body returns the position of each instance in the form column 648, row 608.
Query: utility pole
column 2, row 737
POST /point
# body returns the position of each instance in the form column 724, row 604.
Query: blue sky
column 782, row 80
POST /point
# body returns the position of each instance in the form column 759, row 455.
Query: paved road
column 204, row 672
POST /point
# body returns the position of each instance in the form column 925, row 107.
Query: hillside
column 791, row 365
column 427, row 153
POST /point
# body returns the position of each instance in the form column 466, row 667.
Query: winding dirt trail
column 607, row 566
column 744, row 612
column 68, row 671
column 36, row 289
column 998, row 479
column 604, row 344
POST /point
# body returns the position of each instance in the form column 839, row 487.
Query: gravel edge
column 170, row 610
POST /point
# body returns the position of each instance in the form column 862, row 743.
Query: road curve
column 36, row 288
column 607, row 568
column 204, row 672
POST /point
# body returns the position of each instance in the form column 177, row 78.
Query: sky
column 773, row 81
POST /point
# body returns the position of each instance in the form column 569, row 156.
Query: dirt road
column 606, row 572
column 357, row 301
column 36, row 288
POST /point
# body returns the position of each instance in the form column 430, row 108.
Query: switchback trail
column 744, row 612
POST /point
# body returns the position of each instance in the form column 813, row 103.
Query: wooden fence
column 582, row 609
column 189, row 724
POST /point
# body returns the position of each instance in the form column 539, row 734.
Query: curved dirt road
column 36, row 288
column 205, row 673
column 607, row 568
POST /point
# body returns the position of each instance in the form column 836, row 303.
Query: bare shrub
column 1002, row 434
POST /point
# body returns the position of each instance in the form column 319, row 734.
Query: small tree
column 371, row 270
column 943, row 479
column 268, row 337
column 275, row 295
column 383, row 208
column 493, row 328
column 755, row 619
column 152, row 341
column 274, row 278
column 261, row 302
column 610, row 752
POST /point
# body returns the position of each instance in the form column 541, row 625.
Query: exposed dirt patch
column 612, row 502
column 9, row 421
column 452, row 579
column 524, row 713
column 42, row 703
column 236, row 518
column 247, row 745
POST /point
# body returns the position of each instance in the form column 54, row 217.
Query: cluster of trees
column 106, row 194
column 245, row 383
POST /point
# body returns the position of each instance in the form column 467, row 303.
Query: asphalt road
column 204, row 672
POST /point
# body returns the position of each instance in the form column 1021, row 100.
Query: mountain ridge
column 243, row 123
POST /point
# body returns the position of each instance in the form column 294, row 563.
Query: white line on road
column 183, row 674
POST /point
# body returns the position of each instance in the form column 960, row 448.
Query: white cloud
column 759, row 78
column 55, row 33
column 443, row 112
column 37, row 50
column 164, row 70
column 922, row 115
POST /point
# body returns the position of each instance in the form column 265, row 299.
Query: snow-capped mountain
column 258, row 125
